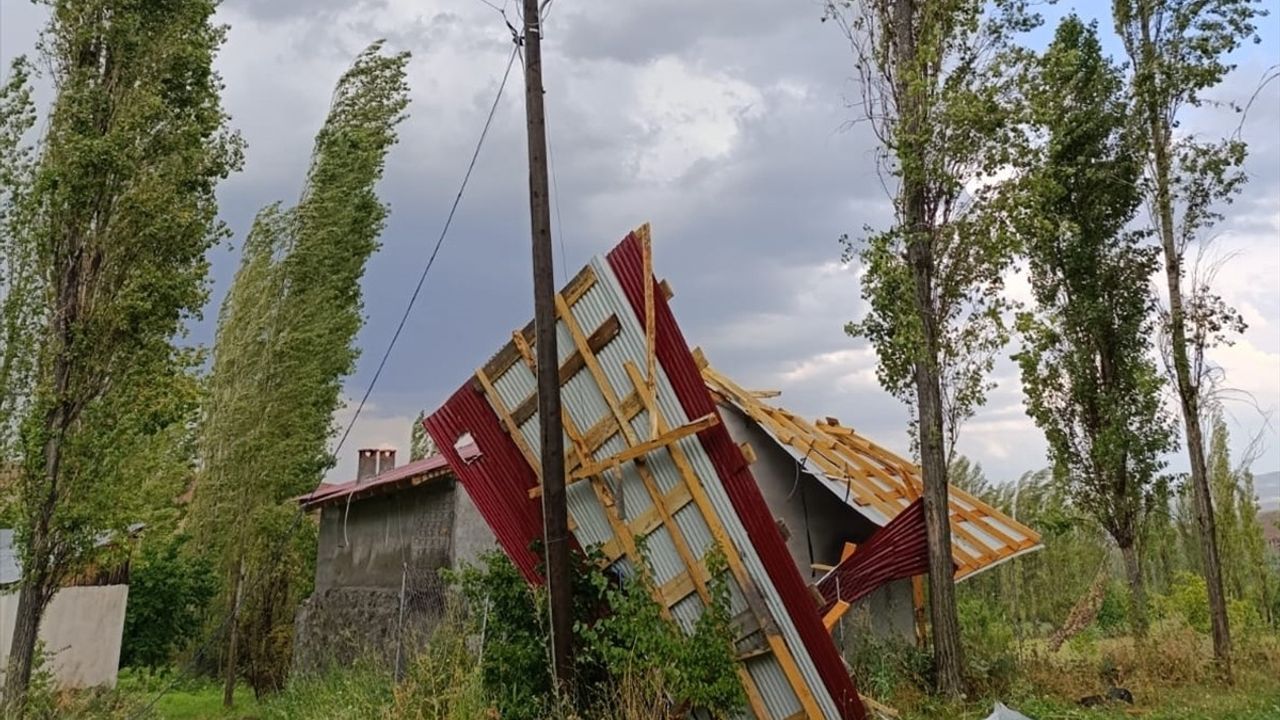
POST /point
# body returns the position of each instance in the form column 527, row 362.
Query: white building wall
column 81, row 630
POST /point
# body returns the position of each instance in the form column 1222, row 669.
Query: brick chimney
column 386, row 459
column 367, row 466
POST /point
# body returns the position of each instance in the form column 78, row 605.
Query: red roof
column 410, row 474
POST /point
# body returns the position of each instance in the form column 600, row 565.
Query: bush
column 1188, row 601
column 885, row 667
column 987, row 636
column 628, row 660
column 1113, row 614
column 169, row 589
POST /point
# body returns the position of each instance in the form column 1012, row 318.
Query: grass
column 1253, row 701
column 193, row 699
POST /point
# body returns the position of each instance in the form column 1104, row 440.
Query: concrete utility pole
column 555, row 513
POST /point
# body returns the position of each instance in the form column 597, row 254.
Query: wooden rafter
column 877, row 478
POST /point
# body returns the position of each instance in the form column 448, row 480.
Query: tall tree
column 934, row 80
column 1179, row 49
column 112, row 232
column 420, row 443
column 1087, row 362
column 285, row 342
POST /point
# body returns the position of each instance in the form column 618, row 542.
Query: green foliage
column 1186, row 601
column 420, row 443
column 883, row 664
column 106, row 230
column 1085, row 360
column 620, row 638
column 285, row 342
column 353, row 693
column 1113, row 617
column 933, row 283
column 169, row 587
column 988, row 642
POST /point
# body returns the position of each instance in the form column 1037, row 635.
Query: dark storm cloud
column 724, row 124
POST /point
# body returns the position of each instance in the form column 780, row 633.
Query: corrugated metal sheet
column 500, row 479
column 897, row 550
column 754, row 531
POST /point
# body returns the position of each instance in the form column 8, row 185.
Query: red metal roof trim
column 498, row 480
column 896, row 551
column 626, row 260
column 435, row 466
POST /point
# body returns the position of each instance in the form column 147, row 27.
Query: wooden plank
column 601, row 337
column 606, row 428
column 509, row 354
column 513, row 430
column 650, row 329
column 640, row 450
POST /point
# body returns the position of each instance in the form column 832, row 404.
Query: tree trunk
column 942, row 594
column 40, row 575
column 22, row 650
column 911, row 151
column 1187, row 386
column 1137, row 589
column 233, row 630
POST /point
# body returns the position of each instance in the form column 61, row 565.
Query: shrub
column 885, row 666
column 1188, row 600
column 169, row 589
column 625, row 652
column 1113, row 614
column 988, row 643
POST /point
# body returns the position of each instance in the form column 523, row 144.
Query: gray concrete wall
column 339, row 626
column 790, row 492
column 372, row 558
column 369, row 544
column 471, row 534
column 81, row 630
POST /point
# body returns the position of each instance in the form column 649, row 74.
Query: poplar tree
column 105, row 233
column 420, row 443
column 285, row 342
column 1087, row 361
column 1179, row 50
column 935, row 80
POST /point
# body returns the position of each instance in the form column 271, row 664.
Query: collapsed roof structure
column 650, row 464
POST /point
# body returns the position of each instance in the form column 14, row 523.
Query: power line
column 300, row 512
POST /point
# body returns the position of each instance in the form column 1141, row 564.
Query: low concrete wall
column 339, row 626
column 82, row 630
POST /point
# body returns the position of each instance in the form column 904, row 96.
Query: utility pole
column 555, row 513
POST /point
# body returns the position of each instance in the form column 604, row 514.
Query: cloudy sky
column 725, row 125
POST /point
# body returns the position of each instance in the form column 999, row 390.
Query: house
column 383, row 539
column 83, row 625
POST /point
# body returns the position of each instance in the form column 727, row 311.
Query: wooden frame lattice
column 583, row 465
